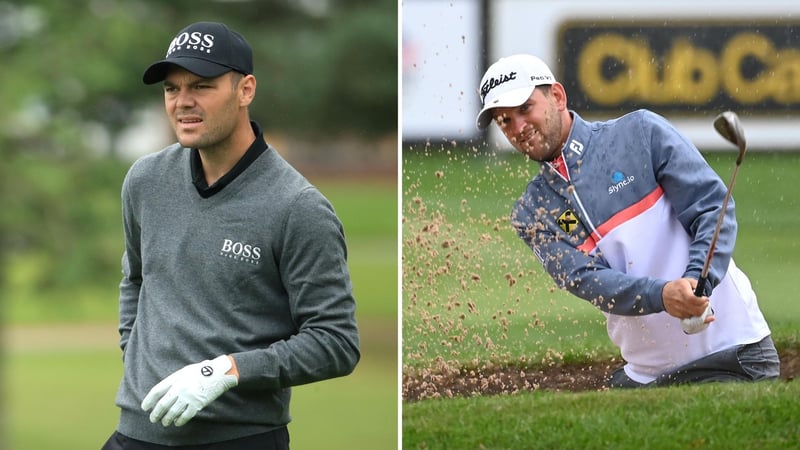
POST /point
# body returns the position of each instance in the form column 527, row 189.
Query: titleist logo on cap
column 493, row 82
column 202, row 42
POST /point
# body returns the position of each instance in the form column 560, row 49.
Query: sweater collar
column 572, row 152
column 258, row 147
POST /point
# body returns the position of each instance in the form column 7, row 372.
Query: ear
column 247, row 90
column 560, row 94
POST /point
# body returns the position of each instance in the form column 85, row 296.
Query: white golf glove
column 177, row 398
column 696, row 324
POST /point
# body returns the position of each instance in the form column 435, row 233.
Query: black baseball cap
column 207, row 49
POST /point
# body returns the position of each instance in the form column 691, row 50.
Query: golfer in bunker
column 621, row 214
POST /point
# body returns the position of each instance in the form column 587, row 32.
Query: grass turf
column 714, row 416
column 64, row 399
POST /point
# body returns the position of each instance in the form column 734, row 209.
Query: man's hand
column 680, row 301
column 179, row 397
column 697, row 324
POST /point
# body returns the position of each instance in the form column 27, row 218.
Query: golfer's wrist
column 234, row 370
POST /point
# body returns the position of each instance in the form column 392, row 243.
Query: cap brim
column 512, row 98
column 157, row 71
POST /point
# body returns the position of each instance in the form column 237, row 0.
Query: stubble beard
column 551, row 140
column 213, row 136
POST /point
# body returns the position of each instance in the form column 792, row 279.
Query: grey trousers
column 750, row 362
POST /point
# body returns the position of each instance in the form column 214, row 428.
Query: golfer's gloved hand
column 179, row 397
column 699, row 323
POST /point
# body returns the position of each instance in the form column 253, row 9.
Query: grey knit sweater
column 256, row 269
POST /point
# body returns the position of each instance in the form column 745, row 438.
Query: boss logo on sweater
column 240, row 251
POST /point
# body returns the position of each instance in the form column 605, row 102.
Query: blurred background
column 75, row 115
column 686, row 60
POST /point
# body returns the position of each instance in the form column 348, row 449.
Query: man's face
column 534, row 128
column 202, row 111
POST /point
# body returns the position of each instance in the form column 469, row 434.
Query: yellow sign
column 681, row 67
column 568, row 221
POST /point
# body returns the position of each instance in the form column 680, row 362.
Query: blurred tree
column 71, row 83
column 73, row 67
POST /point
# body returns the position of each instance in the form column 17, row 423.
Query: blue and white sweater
column 638, row 208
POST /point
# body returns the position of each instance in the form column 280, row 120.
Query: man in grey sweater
column 235, row 281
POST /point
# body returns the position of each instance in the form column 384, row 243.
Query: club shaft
column 701, row 282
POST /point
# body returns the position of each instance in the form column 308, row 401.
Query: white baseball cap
column 510, row 82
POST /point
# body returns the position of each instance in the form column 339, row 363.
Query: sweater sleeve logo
column 568, row 221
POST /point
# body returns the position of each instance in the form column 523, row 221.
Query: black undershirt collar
column 199, row 179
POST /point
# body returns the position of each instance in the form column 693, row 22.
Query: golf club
column 728, row 126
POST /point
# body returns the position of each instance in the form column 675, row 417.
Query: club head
column 728, row 126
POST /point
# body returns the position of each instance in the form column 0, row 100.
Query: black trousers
column 750, row 362
column 273, row 440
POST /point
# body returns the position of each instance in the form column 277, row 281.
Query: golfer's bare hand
column 680, row 301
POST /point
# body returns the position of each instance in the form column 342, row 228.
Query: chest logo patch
column 568, row 221
column 620, row 181
column 240, row 251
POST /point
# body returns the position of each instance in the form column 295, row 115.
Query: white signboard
column 443, row 59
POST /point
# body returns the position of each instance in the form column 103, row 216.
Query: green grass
column 64, row 399
column 368, row 211
column 716, row 416
column 357, row 411
column 60, row 399
column 473, row 292
column 367, row 207
column 767, row 248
